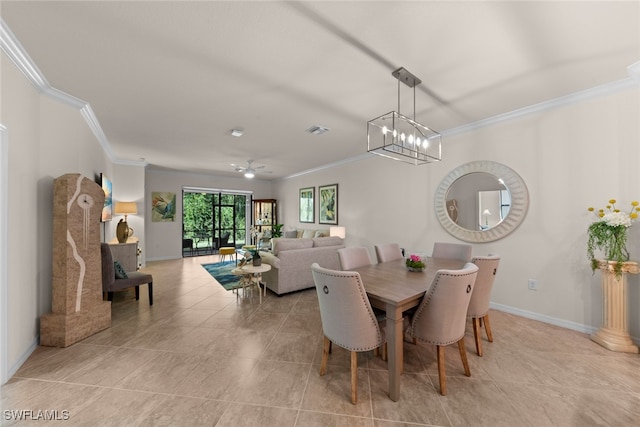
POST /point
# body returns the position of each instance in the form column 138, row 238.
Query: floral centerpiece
column 609, row 234
column 415, row 263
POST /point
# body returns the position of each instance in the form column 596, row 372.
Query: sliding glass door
column 213, row 219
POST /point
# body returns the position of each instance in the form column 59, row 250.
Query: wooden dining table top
column 391, row 281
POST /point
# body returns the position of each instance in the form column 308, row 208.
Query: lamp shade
column 337, row 231
column 126, row 208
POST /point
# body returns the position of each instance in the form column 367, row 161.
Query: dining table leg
column 394, row 348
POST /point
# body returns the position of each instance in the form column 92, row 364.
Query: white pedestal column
column 614, row 333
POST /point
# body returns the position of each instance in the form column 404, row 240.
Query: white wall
column 128, row 186
column 46, row 139
column 570, row 157
column 164, row 239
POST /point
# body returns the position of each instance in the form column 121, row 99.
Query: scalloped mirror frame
column 519, row 202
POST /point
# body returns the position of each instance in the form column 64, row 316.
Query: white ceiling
column 169, row 80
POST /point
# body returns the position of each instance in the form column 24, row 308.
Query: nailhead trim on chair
column 419, row 312
column 365, row 298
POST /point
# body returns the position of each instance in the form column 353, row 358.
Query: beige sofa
column 291, row 260
column 306, row 233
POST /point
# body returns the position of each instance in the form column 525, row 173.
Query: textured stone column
column 78, row 309
column 614, row 333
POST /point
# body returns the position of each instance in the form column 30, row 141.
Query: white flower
column 617, row 218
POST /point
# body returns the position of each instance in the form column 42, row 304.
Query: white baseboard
column 23, row 358
column 551, row 320
column 162, row 258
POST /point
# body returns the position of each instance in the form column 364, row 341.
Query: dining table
column 393, row 288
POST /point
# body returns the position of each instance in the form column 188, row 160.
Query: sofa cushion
column 282, row 244
column 321, row 233
column 327, row 241
column 308, row 234
column 293, row 234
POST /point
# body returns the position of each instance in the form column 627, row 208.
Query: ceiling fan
column 249, row 170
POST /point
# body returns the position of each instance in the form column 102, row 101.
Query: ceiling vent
column 317, row 130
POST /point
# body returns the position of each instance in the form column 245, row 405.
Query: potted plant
column 609, row 234
column 276, row 230
column 415, row 263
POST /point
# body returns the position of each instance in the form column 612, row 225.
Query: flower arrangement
column 609, row 234
column 415, row 263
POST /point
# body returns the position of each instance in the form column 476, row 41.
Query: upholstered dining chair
column 459, row 251
column 347, row 317
column 353, row 257
column 479, row 306
column 442, row 314
column 388, row 252
column 111, row 283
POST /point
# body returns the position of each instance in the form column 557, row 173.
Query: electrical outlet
column 533, row 285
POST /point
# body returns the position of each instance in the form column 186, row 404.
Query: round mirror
column 481, row 201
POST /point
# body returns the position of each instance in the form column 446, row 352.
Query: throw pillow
column 308, row 234
column 120, row 273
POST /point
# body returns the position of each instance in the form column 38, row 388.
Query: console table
column 126, row 254
column 614, row 333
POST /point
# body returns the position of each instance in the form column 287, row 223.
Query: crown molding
column 21, row 59
column 131, row 163
column 572, row 98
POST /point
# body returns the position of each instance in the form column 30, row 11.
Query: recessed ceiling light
column 236, row 132
column 317, row 130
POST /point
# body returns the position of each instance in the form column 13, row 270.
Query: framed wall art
column 163, row 206
column 306, row 207
column 107, row 187
column 328, row 209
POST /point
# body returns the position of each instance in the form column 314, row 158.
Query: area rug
column 221, row 271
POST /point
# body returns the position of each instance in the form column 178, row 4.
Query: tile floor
column 198, row 357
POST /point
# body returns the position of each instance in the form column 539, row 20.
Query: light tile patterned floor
column 199, row 357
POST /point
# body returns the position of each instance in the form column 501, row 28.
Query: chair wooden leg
column 442, row 375
column 150, row 293
column 137, row 293
column 463, row 356
column 354, row 377
column 487, row 328
column 477, row 335
column 325, row 355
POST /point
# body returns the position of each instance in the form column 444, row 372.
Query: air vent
column 317, row 130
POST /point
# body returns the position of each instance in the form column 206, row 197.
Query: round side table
column 250, row 277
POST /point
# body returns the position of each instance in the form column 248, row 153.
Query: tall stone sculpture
column 78, row 309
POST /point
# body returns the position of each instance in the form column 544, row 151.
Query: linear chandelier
column 401, row 138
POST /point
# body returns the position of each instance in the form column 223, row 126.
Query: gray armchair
column 111, row 284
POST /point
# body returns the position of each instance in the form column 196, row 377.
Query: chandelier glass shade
column 399, row 137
